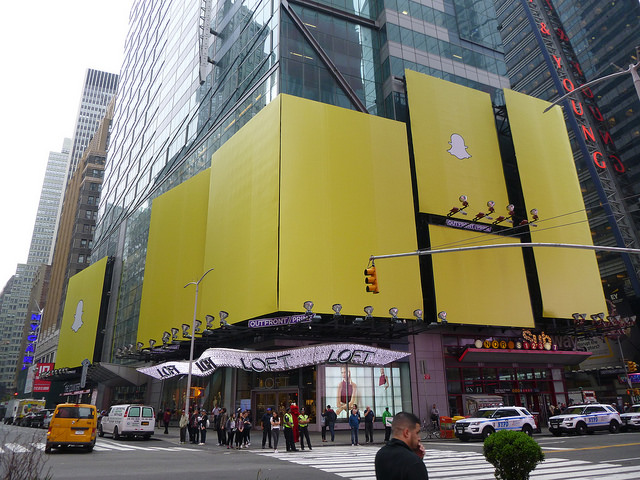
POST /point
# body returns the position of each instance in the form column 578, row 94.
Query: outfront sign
column 260, row 361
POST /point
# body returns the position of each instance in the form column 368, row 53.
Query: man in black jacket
column 401, row 458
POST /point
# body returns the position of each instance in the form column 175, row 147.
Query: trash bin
column 446, row 427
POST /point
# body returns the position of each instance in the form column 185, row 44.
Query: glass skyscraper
column 194, row 74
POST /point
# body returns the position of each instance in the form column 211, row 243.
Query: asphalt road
column 600, row 456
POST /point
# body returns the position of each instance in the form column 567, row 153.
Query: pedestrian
column 202, row 426
column 386, row 421
column 166, row 418
column 275, row 430
column 369, row 417
column 183, row 424
column 266, row 427
column 303, row 425
column 239, row 430
column 435, row 417
column 222, row 427
column 323, row 425
column 402, row 457
column 331, row 422
column 194, row 434
column 288, row 431
column 354, row 423
column 295, row 412
column 248, row 424
column 230, row 427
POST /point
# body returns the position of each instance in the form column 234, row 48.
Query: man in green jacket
column 387, row 424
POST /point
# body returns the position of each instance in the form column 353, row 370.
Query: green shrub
column 513, row 454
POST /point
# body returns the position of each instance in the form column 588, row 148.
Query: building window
column 80, row 258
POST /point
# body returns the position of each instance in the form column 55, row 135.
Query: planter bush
column 513, row 454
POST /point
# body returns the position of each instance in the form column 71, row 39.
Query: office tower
column 75, row 235
column 583, row 41
column 170, row 117
column 12, row 319
column 97, row 91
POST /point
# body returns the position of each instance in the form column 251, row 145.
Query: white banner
column 274, row 361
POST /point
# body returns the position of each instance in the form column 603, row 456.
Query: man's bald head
column 402, row 421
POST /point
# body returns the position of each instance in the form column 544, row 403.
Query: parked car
column 631, row 418
column 47, row 420
column 27, row 419
column 488, row 420
column 581, row 419
column 37, row 420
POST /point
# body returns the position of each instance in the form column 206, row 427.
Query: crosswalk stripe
column 452, row 465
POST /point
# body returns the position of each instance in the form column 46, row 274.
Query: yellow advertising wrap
column 455, row 146
column 242, row 222
column 345, row 195
column 174, row 258
column 480, row 287
column 80, row 317
column 569, row 279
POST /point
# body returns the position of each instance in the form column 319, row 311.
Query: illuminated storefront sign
column 258, row 361
column 276, row 322
column 32, row 338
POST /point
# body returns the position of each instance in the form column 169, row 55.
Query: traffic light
column 631, row 366
column 371, row 279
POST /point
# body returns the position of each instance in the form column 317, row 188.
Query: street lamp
column 193, row 327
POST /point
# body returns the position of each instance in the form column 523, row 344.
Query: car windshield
column 635, row 409
column 573, row 411
column 485, row 413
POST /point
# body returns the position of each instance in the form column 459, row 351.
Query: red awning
column 498, row 355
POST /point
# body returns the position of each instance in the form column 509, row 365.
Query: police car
column 585, row 418
column 488, row 420
column 631, row 418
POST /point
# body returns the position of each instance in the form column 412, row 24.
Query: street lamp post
column 193, row 336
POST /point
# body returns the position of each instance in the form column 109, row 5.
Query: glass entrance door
column 279, row 399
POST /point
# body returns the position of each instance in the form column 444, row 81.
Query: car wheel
column 464, row 439
column 556, row 433
column 89, row 448
column 581, row 428
column 614, row 427
column 116, row 435
column 146, row 437
column 527, row 429
column 486, row 432
column 100, row 431
column 47, row 448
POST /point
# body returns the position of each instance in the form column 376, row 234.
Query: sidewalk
column 342, row 438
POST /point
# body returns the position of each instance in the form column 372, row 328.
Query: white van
column 128, row 421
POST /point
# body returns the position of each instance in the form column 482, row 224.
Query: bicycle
column 431, row 428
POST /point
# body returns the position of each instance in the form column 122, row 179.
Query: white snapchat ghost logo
column 458, row 148
column 77, row 318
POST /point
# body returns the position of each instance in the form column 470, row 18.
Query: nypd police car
column 488, row 420
column 581, row 419
column 631, row 418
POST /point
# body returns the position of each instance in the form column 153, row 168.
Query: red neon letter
column 578, row 108
column 568, row 85
column 588, row 133
column 558, row 61
column 544, row 29
column 617, row 164
column 587, row 92
column 596, row 113
column 599, row 163
column 606, row 137
column 576, row 65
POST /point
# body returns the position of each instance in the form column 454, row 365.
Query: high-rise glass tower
column 194, row 74
column 97, row 91
column 552, row 46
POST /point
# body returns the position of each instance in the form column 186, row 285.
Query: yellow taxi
column 72, row 424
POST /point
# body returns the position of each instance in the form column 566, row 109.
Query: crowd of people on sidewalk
column 400, row 457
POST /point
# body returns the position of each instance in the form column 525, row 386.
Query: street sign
column 83, row 376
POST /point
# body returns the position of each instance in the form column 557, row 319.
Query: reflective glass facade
column 170, row 118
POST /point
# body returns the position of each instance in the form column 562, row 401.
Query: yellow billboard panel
column 569, row 279
column 455, row 146
column 80, row 317
column 242, row 222
column 175, row 252
column 480, row 287
column 345, row 195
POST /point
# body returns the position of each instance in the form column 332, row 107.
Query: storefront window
column 472, row 380
column 378, row 387
column 453, row 380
